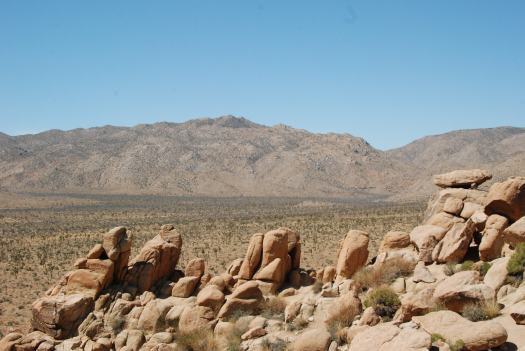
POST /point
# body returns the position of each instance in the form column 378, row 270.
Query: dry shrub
column 481, row 311
column 383, row 274
column 384, row 301
column 274, row 308
column 198, row 340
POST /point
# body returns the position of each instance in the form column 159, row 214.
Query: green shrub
column 457, row 346
column 484, row 268
column 384, row 301
column 436, row 337
column 516, row 264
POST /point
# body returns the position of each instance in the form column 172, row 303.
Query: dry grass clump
column 382, row 274
column 198, row 340
column 481, row 311
column 273, row 308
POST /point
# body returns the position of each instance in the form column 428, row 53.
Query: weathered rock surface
column 476, row 336
column 353, row 253
column 515, row 234
column 455, row 243
column 493, row 237
column 462, row 178
column 507, row 198
column 312, row 340
column 425, row 238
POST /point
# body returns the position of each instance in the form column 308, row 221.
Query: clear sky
column 388, row 71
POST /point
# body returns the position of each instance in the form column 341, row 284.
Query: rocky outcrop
column 462, row 178
column 507, row 198
column 353, row 253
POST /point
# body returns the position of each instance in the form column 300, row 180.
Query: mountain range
column 232, row 156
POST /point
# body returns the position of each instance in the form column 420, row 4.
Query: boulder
column 185, row 286
column 415, row 303
column 156, row 260
column 195, row 268
column 117, row 247
column 246, row 297
column 235, row 267
column 454, row 245
column 425, row 238
column 497, row 273
column 437, row 201
column 422, row 274
column 515, row 234
column 8, row 342
column 275, row 245
column 344, row 309
column 59, row 316
column 493, row 237
column 196, row 318
column 462, row 178
column 394, row 240
column 444, row 220
column 252, row 260
column 476, row 336
column 353, row 253
column 273, row 272
column 507, row 198
column 453, row 206
column 461, row 289
column 517, row 312
column 253, row 333
column 211, row 297
column 154, row 314
column 469, row 208
column 312, row 340
column 388, row 337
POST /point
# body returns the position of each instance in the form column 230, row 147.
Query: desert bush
column 384, row 301
column 436, row 337
column 481, row 311
column 457, row 346
column 198, row 340
column 516, row 264
column 317, row 286
column 382, row 274
column 273, row 308
column 484, row 268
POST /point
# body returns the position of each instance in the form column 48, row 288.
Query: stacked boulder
column 270, row 259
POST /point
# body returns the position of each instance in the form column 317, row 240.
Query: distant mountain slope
column 500, row 150
column 231, row 156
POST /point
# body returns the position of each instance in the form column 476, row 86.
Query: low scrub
column 481, row 311
column 516, row 264
column 383, row 274
column 197, row 340
column 384, row 301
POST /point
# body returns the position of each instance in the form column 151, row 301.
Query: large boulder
column 454, row 245
column 117, row 246
column 493, row 237
column 437, row 202
column 461, row 289
column 196, row 318
column 246, row 297
column 388, row 337
column 59, row 316
column 515, row 234
column 252, row 259
column 312, row 340
column 507, row 198
column 415, row 303
column 394, row 240
column 156, row 260
column 425, row 238
column 464, row 178
column 476, row 336
column 353, row 253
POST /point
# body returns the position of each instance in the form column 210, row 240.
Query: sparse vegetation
column 274, row 308
column 378, row 275
column 198, row 340
column 481, row 311
column 384, row 301
column 516, row 264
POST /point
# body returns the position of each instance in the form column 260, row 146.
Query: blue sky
column 388, row 71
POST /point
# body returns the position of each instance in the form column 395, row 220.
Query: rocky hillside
column 231, row 156
column 455, row 282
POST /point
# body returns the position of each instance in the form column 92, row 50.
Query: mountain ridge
column 233, row 156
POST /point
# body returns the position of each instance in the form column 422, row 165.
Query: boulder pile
column 455, row 282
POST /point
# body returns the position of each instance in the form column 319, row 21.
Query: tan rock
column 156, row 260
column 353, row 253
column 196, row 318
column 469, row 208
column 312, row 340
column 476, row 336
column 235, row 267
column 8, row 342
column 253, row 257
column 154, row 314
column 454, row 245
column 275, row 245
column 394, row 240
column 273, row 272
column 253, row 333
column 497, row 273
column 461, row 289
column 369, row 317
column 246, row 297
column 117, row 246
column 507, row 198
column 515, row 234
column 185, row 286
column 425, row 238
column 517, row 312
column 96, row 252
column 493, row 237
column 422, row 274
column 462, row 178
column 437, row 201
column 211, row 297
column 453, row 206
column 415, row 303
column 444, row 220
column 329, row 274
column 59, row 316
column 195, row 268
column 345, row 308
